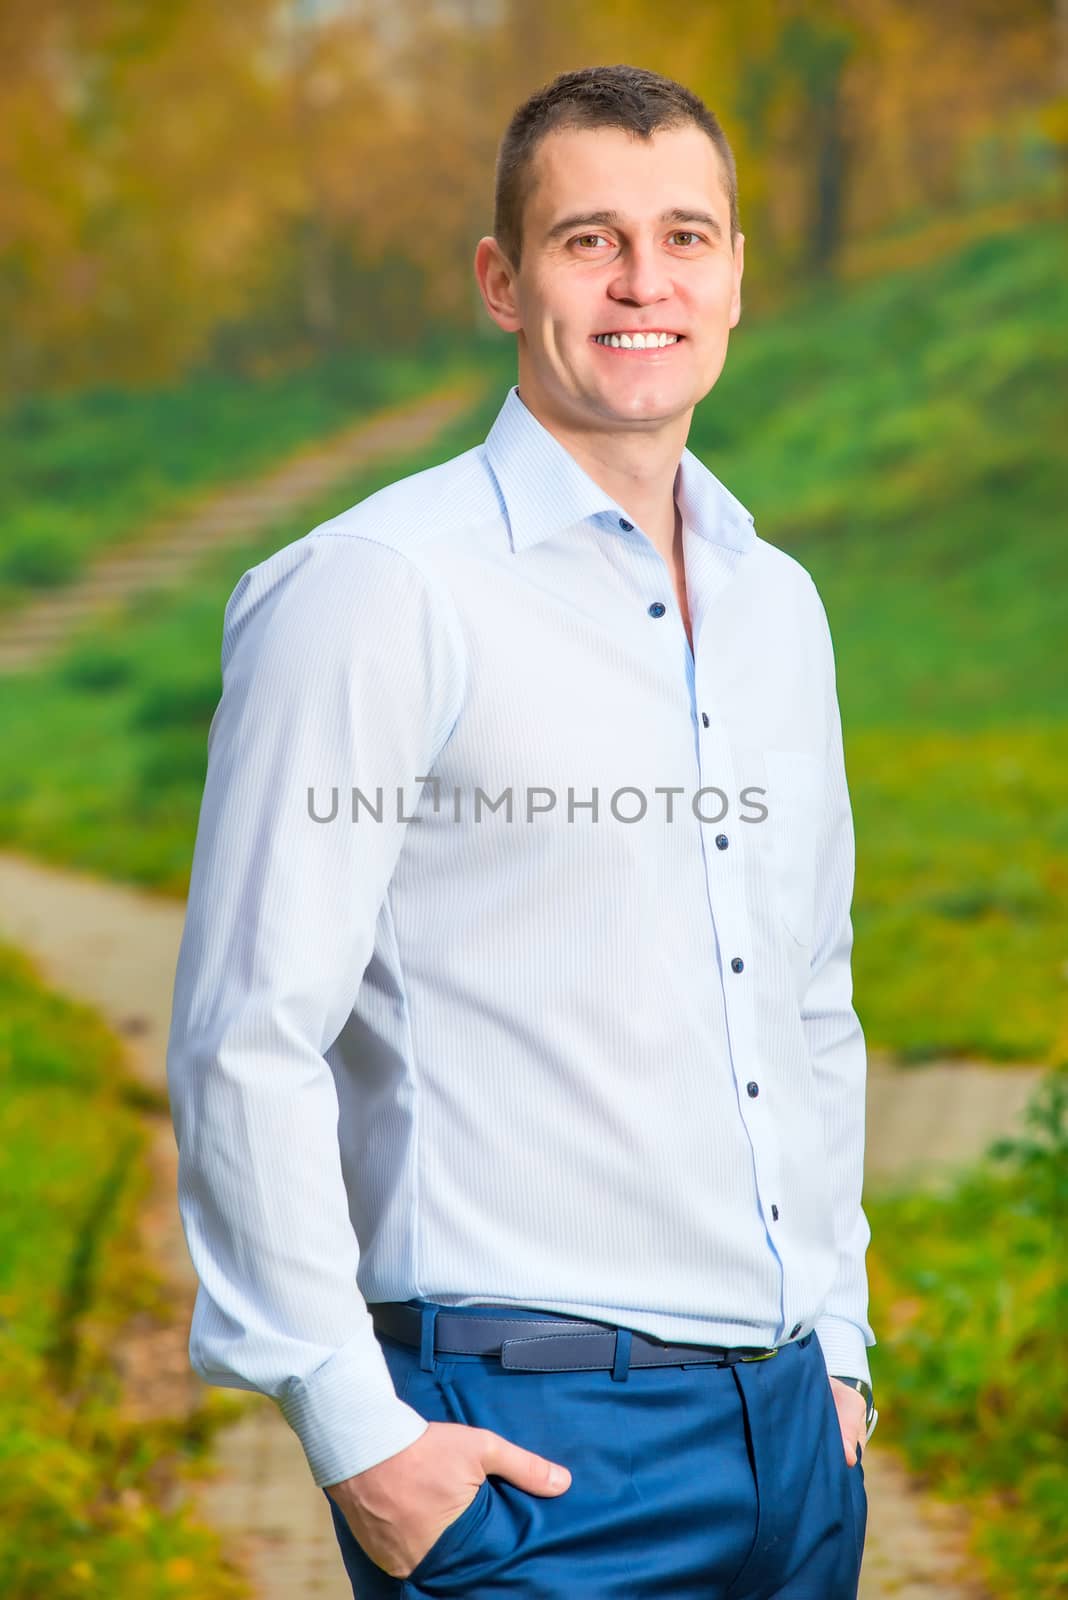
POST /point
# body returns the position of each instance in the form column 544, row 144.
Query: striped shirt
column 516, row 962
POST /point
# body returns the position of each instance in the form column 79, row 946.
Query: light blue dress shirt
column 555, row 1009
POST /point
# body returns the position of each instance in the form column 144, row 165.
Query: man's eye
column 684, row 237
column 587, row 240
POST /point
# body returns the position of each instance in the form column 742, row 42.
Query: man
column 517, row 1083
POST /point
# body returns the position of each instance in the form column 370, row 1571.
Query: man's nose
column 641, row 277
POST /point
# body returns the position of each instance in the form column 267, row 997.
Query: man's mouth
column 650, row 339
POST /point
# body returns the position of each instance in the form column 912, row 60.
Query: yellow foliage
column 324, row 170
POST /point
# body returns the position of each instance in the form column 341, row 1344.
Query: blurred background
column 235, row 297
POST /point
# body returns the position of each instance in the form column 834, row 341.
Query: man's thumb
column 531, row 1472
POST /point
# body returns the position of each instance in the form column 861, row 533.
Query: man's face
column 625, row 239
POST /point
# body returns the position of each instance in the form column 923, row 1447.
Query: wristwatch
column 864, row 1389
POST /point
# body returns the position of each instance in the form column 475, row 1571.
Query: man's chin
column 643, row 408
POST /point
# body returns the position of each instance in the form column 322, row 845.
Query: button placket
column 657, row 586
column 658, row 608
column 726, row 869
column 730, row 921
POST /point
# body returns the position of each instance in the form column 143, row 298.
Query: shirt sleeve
column 838, row 1053
column 342, row 666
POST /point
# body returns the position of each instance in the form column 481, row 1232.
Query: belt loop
column 428, row 1317
column 621, row 1364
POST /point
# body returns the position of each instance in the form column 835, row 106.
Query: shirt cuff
column 843, row 1348
column 347, row 1414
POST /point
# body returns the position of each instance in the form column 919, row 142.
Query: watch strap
column 862, row 1387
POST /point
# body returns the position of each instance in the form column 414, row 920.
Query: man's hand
column 398, row 1509
column 852, row 1418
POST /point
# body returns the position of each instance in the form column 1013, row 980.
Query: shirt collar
column 545, row 491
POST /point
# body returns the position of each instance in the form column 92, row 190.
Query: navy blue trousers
column 687, row 1483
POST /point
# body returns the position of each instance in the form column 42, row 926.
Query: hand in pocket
column 400, row 1508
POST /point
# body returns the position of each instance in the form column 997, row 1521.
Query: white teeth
column 637, row 341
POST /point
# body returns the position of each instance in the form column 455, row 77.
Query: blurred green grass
column 969, row 1290
column 900, row 437
column 88, row 469
column 81, row 1480
column 961, row 905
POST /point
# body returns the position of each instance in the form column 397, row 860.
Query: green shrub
column 178, row 702
column 96, row 667
column 33, row 559
column 177, row 762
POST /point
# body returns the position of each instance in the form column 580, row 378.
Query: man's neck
column 637, row 469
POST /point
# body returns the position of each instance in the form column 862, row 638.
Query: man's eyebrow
column 705, row 218
column 610, row 219
column 583, row 219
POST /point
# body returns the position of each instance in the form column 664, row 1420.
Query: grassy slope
column 83, row 471
column 81, row 1482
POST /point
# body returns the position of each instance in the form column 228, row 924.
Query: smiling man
column 521, row 1123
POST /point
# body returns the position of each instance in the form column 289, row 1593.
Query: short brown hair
column 640, row 102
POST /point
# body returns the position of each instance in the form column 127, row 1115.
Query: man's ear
column 739, row 268
column 496, row 282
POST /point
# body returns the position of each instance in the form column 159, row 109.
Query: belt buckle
column 765, row 1355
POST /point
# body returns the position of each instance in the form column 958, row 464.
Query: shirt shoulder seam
column 437, row 590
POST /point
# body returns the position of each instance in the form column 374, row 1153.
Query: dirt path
column 168, row 552
column 116, row 947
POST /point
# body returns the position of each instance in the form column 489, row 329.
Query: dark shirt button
column 796, row 1330
column 628, row 527
column 774, row 1213
column 752, row 1090
column 704, row 718
column 657, row 609
column 722, row 841
column 737, row 964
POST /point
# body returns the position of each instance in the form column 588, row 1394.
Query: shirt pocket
column 795, row 794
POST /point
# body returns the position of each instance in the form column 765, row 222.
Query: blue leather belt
column 549, row 1344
